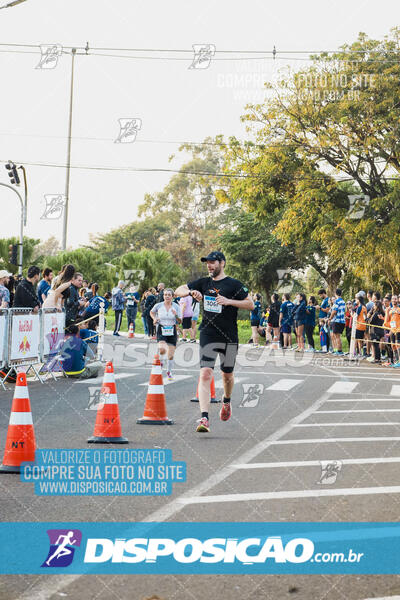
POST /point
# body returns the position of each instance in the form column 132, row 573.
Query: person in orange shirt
column 360, row 315
column 393, row 320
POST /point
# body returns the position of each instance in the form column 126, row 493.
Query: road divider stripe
column 347, row 424
column 333, row 440
column 294, row 494
column 314, row 463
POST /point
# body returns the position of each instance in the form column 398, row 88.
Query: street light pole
column 65, row 219
column 21, row 230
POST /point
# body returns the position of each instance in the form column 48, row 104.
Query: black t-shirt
column 219, row 321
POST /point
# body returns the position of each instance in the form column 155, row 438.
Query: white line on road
column 333, row 440
column 395, row 391
column 100, row 379
column 364, row 400
column 385, row 598
column 346, row 424
column 284, row 385
column 313, row 463
column 359, row 410
column 175, row 380
column 342, row 387
column 395, row 489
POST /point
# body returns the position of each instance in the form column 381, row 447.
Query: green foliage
column 89, row 263
column 27, row 259
column 157, row 266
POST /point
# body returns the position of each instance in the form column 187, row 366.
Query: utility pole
column 65, row 219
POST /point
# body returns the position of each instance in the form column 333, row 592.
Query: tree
column 28, row 253
column 156, row 266
column 44, row 249
column 89, row 263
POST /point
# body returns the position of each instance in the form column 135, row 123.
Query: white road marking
column 100, row 379
column 395, row 489
column 360, row 410
column 385, row 598
column 346, row 424
column 364, row 400
column 332, row 440
column 395, row 391
column 175, row 379
column 314, row 463
column 342, row 387
column 284, row 385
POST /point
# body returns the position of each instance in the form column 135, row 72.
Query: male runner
column 218, row 330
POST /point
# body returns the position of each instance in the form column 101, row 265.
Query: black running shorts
column 211, row 345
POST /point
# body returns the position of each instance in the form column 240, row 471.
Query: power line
column 184, row 172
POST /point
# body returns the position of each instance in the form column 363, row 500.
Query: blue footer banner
column 200, row 548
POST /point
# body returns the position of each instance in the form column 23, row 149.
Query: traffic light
column 13, row 173
column 13, row 254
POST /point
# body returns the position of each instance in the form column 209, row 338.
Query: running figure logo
column 329, row 471
column 251, row 394
column 62, row 547
column 203, row 54
column 128, row 130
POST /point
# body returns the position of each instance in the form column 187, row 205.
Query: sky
column 171, row 101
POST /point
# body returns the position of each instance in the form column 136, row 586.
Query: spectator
column 75, row 354
column 4, row 291
column 44, row 285
column 273, row 316
column 142, row 310
column 286, row 320
column 160, row 292
column 376, row 316
column 348, row 315
column 92, row 307
column 73, row 302
column 186, row 308
column 60, row 289
column 338, row 321
column 150, row 302
column 309, row 324
column 255, row 318
column 370, row 304
column 132, row 302
column 299, row 317
column 360, row 314
column 11, row 285
column 118, row 301
column 25, row 295
column 324, row 309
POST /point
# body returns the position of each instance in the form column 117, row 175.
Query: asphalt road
column 290, row 413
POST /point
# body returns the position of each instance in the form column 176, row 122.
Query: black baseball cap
column 214, row 255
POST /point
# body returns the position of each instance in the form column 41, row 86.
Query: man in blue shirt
column 286, row 320
column 323, row 308
column 132, row 301
column 44, row 285
column 75, row 354
column 118, row 301
column 338, row 321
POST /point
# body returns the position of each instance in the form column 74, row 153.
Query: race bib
column 393, row 324
column 167, row 330
column 130, row 303
column 211, row 304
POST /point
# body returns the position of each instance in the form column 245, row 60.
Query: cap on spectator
column 121, row 282
column 4, row 273
column 360, row 293
column 214, row 255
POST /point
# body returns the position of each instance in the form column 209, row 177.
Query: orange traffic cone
column 155, row 410
column 212, row 390
column 130, row 332
column 20, row 443
column 107, row 429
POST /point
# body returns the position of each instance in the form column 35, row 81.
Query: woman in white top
column 165, row 316
column 56, row 296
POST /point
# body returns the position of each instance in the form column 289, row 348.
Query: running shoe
column 370, row 359
column 386, row 364
column 203, row 425
column 225, row 412
column 396, row 365
column 192, row 341
column 169, row 376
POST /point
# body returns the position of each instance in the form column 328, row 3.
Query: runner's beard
column 215, row 271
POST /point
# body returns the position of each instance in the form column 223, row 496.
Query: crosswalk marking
column 246, row 497
column 355, row 410
column 284, row 385
column 316, row 463
column 175, row 379
column 395, row 391
column 100, row 379
column 373, row 400
column 342, row 387
column 333, row 440
column 346, row 424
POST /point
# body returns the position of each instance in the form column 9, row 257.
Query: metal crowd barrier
column 28, row 339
